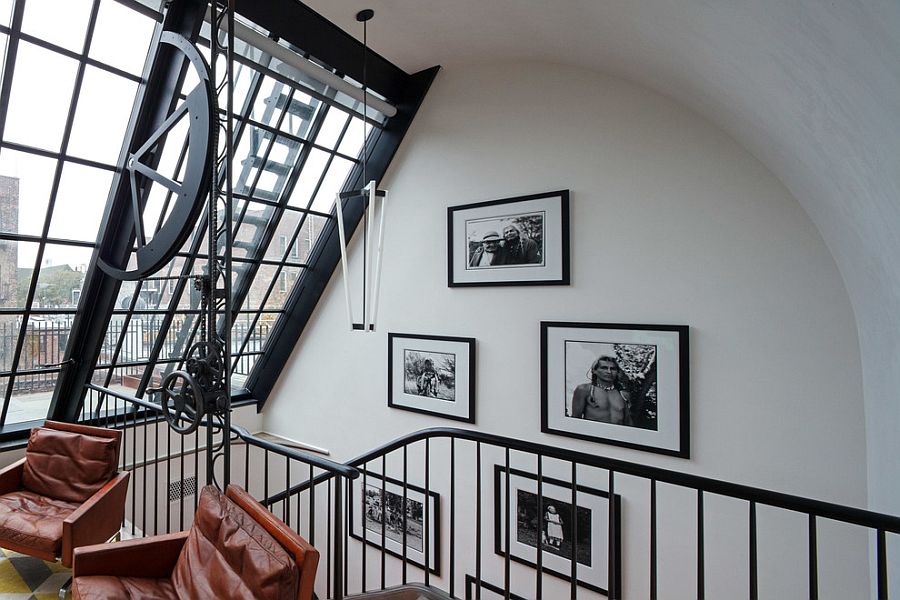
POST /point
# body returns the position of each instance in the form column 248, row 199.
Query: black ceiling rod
column 153, row 104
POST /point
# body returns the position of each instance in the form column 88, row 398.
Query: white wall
column 672, row 222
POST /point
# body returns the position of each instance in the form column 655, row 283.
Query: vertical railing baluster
column 364, row 488
column 882, row 565
column 573, row 581
column 168, row 479
column 133, row 477
column 754, row 589
column 653, row 574
column 383, row 517
column 612, row 543
column 478, row 520
column 813, row 560
column 312, row 507
column 403, row 509
column 197, row 470
column 328, row 549
column 144, row 474
column 286, row 502
column 247, row 467
column 345, row 540
column 426, row 538
column 155, row 476
column 539, row 572
column 181, row 485
column 265, row 473
column 507, row 511
column 452, row 515
column 701, row 576
column 338, row 510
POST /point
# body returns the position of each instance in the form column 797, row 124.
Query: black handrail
column 332, row 467
column 820, row 508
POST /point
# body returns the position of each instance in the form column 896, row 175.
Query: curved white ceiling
column 810, row 87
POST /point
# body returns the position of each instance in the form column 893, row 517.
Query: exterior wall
column 672, row 222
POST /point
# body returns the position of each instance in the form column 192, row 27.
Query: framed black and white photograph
column 618, row 384
column 512, row 241
column 378, row 518
column 487, row 591
column 432, row 374
column 547, row 518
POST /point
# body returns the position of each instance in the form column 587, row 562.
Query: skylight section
column 64, row 120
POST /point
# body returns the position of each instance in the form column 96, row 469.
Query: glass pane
column 254, row 335
column 300, row 114
column 267, row 105
column 332, row 184
column 282, row 240
column 9, row 333
column 286, row 279
column 60, row 23
column 80, row 202
column 6, row 8
column 331, row 128
column 22, row 254
column 179, row 337
column 44, row 344
column 309, row 179
column 242, row 370
column 105, row 98
column 309, row 234
column 25, row 209
column 61, row 277
column 354, row 137
column 41, row 93
column 31, row 397
column 248, row 241
column 121, row 37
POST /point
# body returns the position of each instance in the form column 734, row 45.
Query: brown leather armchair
column 235, row 549
column 66, row 492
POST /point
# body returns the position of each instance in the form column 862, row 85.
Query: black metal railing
column 469, row 513
column 168, row 470
column 495, row 534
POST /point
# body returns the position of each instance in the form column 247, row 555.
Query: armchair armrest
column 97, row 519
column 11, row 477
column 146, row 557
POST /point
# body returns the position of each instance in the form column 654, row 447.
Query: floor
column 27, row 578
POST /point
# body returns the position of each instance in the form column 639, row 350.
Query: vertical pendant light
column 373, row 201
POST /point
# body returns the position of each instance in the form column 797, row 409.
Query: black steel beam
column 153, row 104
column 327, row 42
column 327, row 252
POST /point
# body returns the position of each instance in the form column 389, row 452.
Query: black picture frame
column 647, row 406
column 430, row 526
column 446, row 388
column 594, row 516
column 540, row 255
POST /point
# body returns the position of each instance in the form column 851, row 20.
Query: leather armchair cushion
column 230, row 555
column 105, row 587
column 69, row 466
column 34, row 521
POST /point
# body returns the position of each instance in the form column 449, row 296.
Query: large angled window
column 70, row 74
column 295, row 143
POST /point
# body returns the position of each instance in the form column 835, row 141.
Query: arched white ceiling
column 810, row 87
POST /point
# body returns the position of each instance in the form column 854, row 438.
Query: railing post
column 338, row 556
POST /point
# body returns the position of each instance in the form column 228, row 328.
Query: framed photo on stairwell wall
column 511, row 241
column 432, row 374
column 620, row 384
column 545, row 513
